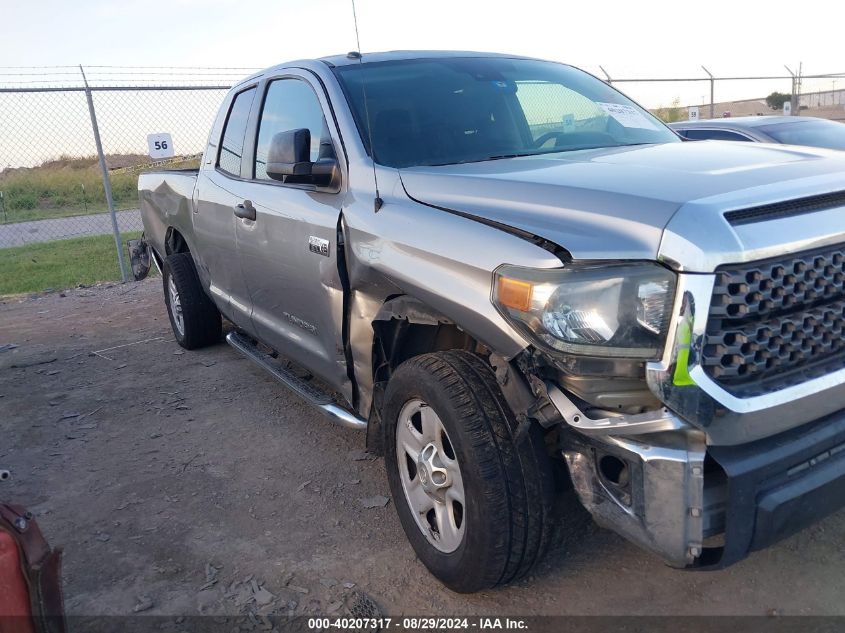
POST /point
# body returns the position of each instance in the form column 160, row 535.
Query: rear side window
column 234, row 132
column 713, row 135
column 291, row 105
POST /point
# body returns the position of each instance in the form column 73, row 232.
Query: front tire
column 473, row 495
column 195, row 320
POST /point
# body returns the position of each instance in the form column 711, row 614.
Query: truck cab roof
column 347, row 59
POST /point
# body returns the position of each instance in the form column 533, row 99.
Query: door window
column 234, row 132
column 291, row 105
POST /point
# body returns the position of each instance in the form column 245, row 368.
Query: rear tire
column 195, row 320
column 502, row 528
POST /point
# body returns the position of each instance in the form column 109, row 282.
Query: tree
column 776, row 100
column 673, row 113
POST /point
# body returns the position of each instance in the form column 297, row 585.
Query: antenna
column 378, row 202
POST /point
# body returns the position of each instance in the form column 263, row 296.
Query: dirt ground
column 190, row 482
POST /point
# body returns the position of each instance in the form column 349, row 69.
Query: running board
column 323, row 401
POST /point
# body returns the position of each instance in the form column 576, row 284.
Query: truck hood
column 614, row 203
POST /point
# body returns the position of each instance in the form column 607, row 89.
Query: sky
column 629, row 39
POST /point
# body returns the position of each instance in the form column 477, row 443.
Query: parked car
column 498, row 267
column 790, row 130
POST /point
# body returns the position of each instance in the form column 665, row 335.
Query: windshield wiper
column 557, row 150
column 560, row 150
column 501, row 156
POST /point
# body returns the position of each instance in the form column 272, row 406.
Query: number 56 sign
column 161, row 145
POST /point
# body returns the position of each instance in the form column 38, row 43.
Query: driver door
column 288, row 253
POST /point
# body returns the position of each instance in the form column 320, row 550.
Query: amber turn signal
column 514, row 294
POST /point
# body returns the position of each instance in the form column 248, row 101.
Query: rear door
column 214, row 217
column 289, row 254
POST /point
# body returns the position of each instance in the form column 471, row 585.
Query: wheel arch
column 405, row 327
column 175, row 242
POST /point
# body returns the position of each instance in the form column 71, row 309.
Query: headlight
column 611, row 310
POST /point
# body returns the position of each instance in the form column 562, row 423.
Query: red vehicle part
column 30, row 576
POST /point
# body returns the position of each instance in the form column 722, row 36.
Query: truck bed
column 165, row 201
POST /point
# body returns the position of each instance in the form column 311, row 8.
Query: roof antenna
column 378, row 202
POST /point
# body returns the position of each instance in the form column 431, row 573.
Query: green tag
column 681, row 378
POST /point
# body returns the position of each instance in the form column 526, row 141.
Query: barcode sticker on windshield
column 627, row 115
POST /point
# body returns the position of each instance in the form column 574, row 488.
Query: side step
column 318, row 398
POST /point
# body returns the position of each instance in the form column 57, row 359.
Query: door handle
column 245, row 210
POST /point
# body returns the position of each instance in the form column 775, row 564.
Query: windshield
column 466, row 109
column 814, row 133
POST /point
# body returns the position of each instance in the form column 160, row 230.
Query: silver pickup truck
column 516, row 280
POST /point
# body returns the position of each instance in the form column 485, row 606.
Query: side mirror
column 289, row 159
column 290, row 154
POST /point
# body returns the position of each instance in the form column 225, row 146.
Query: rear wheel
column 473, row 495
column 195, row 320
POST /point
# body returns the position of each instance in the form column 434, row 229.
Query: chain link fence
column 53, row 204
column 52, row 195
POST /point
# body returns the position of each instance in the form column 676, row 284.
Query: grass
column 70, row 186
column 60, row 264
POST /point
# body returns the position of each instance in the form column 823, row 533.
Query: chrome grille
column 777, row 322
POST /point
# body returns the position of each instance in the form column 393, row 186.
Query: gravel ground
column 190, row 482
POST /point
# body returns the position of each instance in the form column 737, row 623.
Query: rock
column 205, row 599
column 144, row 603
column 243, row 596
column 103, row 537
column 328, row 582
column 378, row 501
column 211, row 572
column 263, row 597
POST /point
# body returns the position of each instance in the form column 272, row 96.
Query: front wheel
column 473, row 495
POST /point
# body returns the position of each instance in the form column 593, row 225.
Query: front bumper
column 708, row 507
column 780, row 485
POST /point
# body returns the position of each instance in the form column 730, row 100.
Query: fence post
column 712, row 93
column 793, row 97
column 106, row 180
